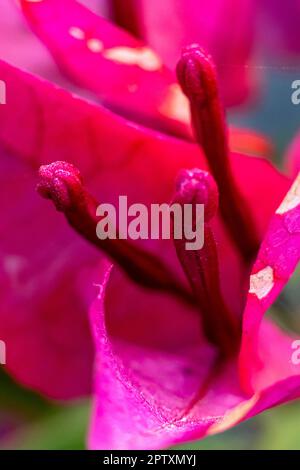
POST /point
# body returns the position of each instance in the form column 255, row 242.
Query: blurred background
column 27, row 421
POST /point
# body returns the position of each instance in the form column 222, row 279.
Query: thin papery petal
column 275, row 352
column 171, row 388
column 224, row 28
column 146, row 396
column 46, row 276
column 276, row 394
column 128, row 76
column 276, row 382
column 278, row 256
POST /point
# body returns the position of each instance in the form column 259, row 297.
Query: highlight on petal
column 175, row 104
column 143, row 57
column 278, row 257
column 276, row 394
column 128, row 76
column 234, row 416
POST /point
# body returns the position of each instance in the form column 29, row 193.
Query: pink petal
column 128, row 76
column 278, row 256
column 158, row 383
column 277, row 381
column 275, row 353
column 144, row 393
column 224, row 28
column 46, row 278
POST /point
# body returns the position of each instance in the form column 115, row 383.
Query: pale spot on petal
column 233, row 417
column 141, row 56
column 176, row 105
column 262, row 282
column 292, row 199
column 76, row 32
column 132, row 88
column 13, row 266
column 95, row 45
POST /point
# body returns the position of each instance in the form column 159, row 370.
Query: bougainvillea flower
column 44, row 290
column 175, row 364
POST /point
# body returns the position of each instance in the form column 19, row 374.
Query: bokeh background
column 27, row 421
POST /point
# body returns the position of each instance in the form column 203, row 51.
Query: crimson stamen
column 220, row 326
column 62, row 183
column 197, row 76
